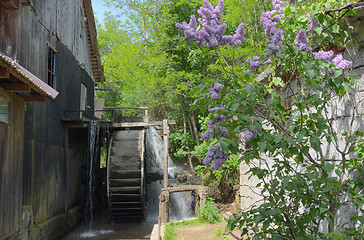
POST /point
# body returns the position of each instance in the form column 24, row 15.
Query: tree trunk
column 190, row 126
column 190, row 162
column 184, row 116
column 195, row 132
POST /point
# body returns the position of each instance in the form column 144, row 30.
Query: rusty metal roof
column 97, row 68
column 27, row 77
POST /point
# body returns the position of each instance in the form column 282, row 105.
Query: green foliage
column 302, row 184
column 209, row 212
column 169, row 233
column 147, row 58
column 103, row 156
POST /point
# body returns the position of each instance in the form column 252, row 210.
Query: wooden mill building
column 49, row 63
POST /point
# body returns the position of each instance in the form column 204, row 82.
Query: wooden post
column 164, row 207
column 165, row 151
column 66, row 168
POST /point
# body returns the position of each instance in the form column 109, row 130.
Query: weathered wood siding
column 63, row 19
column 8, row 31
column 52, row 182
column 46, row 175
column 11, row 168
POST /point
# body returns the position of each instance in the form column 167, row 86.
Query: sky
column 99, row 9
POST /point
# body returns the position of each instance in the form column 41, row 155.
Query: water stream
column 93, row 140
column 180, row 203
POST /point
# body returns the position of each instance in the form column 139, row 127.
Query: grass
column 169, row 233
column 207, row 214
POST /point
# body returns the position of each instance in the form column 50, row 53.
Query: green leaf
column 335, row 28
column 311, row 74
column 258, row 219
column 194, row 92
column 318, row 30
column 278, row 138
column 336, row 235
column 224, row 146
column 328, row 167
column 234, row 107
column 262, row 146
column 347, row 86
column 315, row 143
column 293, row 150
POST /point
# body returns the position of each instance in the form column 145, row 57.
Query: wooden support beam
column 34, row 98
column 4, row 72
column 4, row 94
column 16, row 87
column 184, row 188
column 141, row 124
column 165, row 152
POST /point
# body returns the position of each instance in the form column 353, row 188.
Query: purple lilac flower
column 217, row 160
column 269, row 23
column 341, row 63
column 208, row 134
column 215, row 90
column 255, row 63
column 223, row 132
column 312, row 24
column 277, row 4
column 210, row 155
column 302, row 41
column 326, row 55
column 235, row 118
column 250, row 135
column 216, row 109
column 212, row 32
column 218, row 119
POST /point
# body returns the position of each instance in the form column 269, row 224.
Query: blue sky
column 99, row 9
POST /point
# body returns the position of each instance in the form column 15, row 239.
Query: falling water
column 93, row 138
column 180, row 203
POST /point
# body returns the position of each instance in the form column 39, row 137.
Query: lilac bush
column 326, row 55
column 218, row 159
column 215, row 90
column 286, row 150
column 255, row 63
column 302, row 41
column 341, row 63
column 212, row 32
column 269, row 23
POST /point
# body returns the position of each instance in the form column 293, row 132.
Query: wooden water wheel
column 125, row 175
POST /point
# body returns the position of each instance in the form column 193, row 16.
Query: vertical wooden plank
column 165, row 152
column 66, row 168
column 4, row 132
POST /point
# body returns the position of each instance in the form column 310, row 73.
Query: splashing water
column 180, row 203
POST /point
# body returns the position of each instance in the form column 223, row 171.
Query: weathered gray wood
column 183, row 188
column 99, row 106
column 141, row 124
column 11, row 166
column 165, row 152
